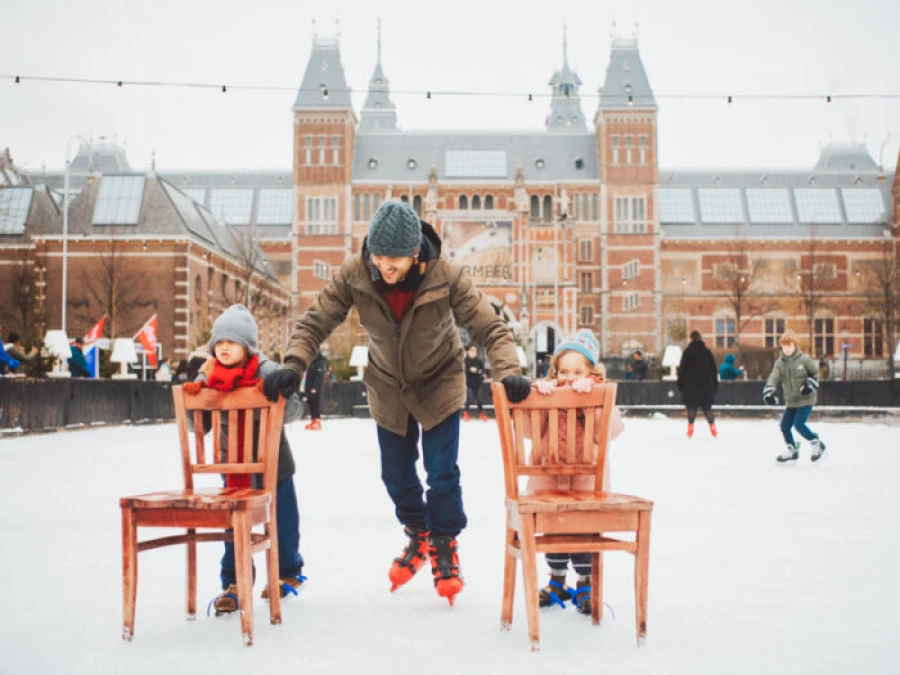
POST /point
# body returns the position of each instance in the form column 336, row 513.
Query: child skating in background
column 798, row 376
column 236, row 363
column 474, row 380
column 575, row 363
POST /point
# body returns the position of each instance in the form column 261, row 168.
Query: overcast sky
column 782, row 47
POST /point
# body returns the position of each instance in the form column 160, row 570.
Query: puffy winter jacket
column 790, row 372
column 728, row 371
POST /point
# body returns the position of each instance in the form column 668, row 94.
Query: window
column 119, row 200
column 823, row 330
column 544, row 297
column 307, row 150
column 630, row 270
column 321, row 270
column 535, row 207
column 614, row 147
column 676, row 205
column 594, row 210
column 463, row 202
column 233, row 205
column 771, row 205
column 630, row 215
column 863, row 205
column 586, row 281
column 476, row 163
column 816, row 205
column 628, row 142
column 585, row 249
column 630, row 301
column 642, row 148
column 547, row 211
column 404, row 199
column 585, row 213
column 335, row 150
column 774, row 330
column 489, row 202
column 417, row 205
column 476, row 202
column 357, row 212
column 321, row 151
column 376, row 202
column 274, row 206
column 724, row 332
column 872, row 338
column 367, row 209
column 587, row 315
column 198, row 289
column 720, row 205
column 321, row 215
column 15, row 203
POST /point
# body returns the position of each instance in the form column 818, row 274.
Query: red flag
column 147, row 337
column 96, row 332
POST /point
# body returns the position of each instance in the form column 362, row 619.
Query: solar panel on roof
column 863, row 205
column 720, row 205
column 15, row 203
column 676, row 205
column 119, row 200
column 817, row 205
column 233, row 205
column 274, row 207
column 769, row 205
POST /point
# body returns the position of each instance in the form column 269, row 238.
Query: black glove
column 283, row 381
column 809, row 386
column 517, row 388
column 769, row 396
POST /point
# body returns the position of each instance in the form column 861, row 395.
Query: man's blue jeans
column 796, row 418
column 290, row 562
column 442, row 510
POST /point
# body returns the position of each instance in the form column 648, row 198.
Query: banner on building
column 147, row 337
column 483, row 247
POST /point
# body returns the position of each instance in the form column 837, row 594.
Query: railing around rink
column 28, row 405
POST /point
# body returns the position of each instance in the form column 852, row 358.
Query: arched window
column 367, row 208
column 548, row 208
column 489, row 202
column 476, row 202
column 535, row 207
column 356, row 211
column 463, row 202
column 585, row 214
column 417, row 205
column 404, row 199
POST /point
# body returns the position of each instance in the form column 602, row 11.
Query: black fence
column 50, row 404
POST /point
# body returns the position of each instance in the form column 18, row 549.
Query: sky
column 754, row 567
column 689, row 48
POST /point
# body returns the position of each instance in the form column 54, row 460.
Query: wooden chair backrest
column 545, row 413
column 262, row 426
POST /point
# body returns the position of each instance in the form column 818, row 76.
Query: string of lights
column 325, row 93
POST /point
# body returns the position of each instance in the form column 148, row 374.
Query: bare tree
column 22, row 304
column 882, row 288
column 254, row 287
column 816, row 280
column 114, row 289
column 735, row 280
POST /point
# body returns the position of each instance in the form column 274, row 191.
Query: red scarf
column 229, row 379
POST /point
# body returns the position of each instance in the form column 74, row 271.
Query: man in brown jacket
column 410, row 300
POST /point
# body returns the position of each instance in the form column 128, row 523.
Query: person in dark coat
column 638, row 367
column 729, row 371
column 698, row 382
column 78, row 364
column 474, row 380
column 312, row 388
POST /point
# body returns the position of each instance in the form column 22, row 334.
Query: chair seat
column 201, row 499
column 555, row 501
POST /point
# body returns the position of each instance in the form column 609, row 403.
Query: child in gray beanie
column 235, row 363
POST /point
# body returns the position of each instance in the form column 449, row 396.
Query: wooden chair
column 565, row 521
column 231, row 511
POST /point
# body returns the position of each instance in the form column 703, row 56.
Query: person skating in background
column 698, row 382
column 410, row 300
column 474, row 380
column 6, row 361
column 312, row 388
column 729, row 371
column 16, row 350
column 575, row 363
column 797, row 374
column 237, row 363
column 638, row 368
column 78, row 366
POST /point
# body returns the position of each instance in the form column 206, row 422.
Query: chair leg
column 641, row 573
column 191, row 599
column 529, row 576
column 272, row 569
column 129, row 572
column 243, row 567
column 597, row 588
column 509, row 580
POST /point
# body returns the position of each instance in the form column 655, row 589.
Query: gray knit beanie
column 395, row 231
column 235, row 324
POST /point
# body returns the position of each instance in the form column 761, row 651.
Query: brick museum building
column 573, row 225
